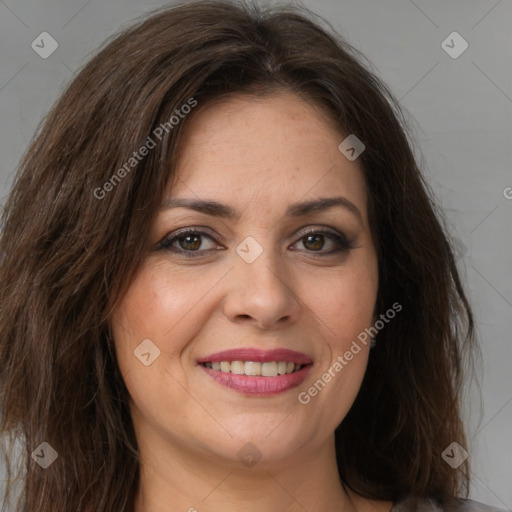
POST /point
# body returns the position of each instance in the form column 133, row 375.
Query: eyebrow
column 216, row 209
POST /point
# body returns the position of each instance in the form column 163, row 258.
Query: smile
column 257, row 372
column 254, row 368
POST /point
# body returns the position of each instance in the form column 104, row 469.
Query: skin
column 258, row 155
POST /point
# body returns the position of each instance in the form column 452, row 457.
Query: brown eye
column 187, row 243
column 314, row 241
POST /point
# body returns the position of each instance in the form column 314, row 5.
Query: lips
column 257, row 372
column 260, row 356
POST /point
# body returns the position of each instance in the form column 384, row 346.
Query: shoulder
column 412, row 504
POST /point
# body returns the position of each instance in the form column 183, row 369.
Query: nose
column 261, row 293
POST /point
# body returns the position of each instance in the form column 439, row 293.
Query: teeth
column 281, row 367
column 268, row 369
column 238, row 367
column 252, row 368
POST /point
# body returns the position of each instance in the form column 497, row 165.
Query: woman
column 226, row 285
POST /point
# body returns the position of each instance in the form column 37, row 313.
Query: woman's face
column 255, row 283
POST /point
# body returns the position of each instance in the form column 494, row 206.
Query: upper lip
column 258, row 356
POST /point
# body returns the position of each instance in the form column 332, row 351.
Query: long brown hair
column 70, row 245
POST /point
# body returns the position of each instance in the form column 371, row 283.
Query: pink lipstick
column 257, row 372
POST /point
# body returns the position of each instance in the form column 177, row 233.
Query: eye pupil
column 315, row 245
column 188, row 237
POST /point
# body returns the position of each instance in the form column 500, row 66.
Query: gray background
column 460, row 110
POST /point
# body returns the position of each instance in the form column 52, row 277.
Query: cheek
column 155, row 308
column 344, row 306
column 344, row 309
column 344, row 303
column 158, row 306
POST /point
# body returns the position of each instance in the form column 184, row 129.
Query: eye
column 189, row 242
column 314, row 241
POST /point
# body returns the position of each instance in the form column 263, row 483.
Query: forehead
column 277, row 147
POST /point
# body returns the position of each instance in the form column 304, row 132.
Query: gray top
column 412, row 504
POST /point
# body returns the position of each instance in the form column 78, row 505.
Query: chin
column 263, row 443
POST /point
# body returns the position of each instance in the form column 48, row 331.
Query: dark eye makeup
column 177, row 242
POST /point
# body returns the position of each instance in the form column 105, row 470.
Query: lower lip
column 259, row 386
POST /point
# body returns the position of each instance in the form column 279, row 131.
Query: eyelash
column 343, row 245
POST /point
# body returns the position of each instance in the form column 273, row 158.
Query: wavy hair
column 69, row 255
